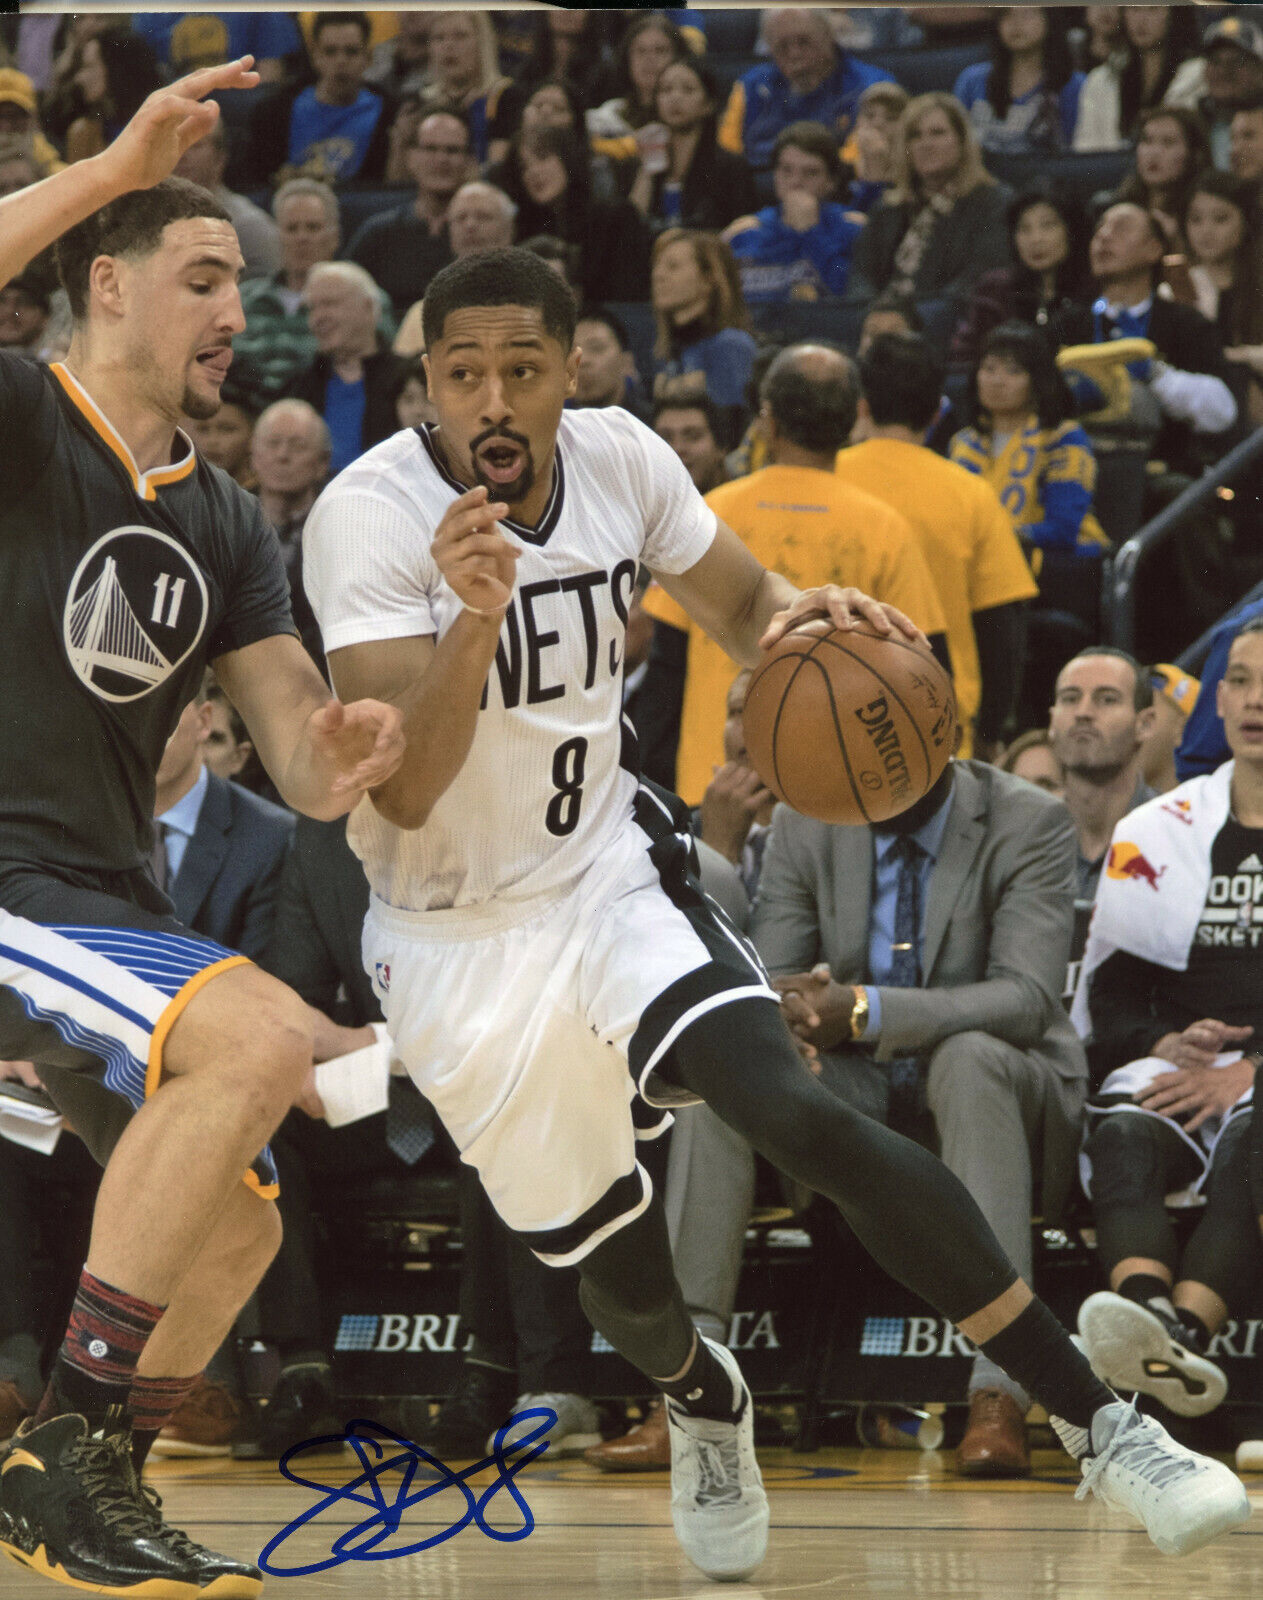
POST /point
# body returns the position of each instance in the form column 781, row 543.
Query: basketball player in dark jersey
column 126, row 564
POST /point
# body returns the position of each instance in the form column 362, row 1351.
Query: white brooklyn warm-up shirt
column 543, row 791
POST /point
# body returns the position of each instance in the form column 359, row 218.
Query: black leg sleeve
column 1223, row 1252
column 1136, row 1161
column 627, row 1288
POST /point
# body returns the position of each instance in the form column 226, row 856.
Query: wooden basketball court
column 886, row 1524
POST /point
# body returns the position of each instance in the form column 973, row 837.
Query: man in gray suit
column 923, row 962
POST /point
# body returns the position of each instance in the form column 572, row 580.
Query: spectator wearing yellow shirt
column 800, row 519
column 966, row 536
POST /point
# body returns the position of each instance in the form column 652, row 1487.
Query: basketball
column 849, row 725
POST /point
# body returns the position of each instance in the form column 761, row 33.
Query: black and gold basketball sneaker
column 72, row 1509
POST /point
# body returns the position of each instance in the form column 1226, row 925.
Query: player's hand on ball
column 360, row 745
column 817, row 1009
column 473, row 555
column 169, row 121
column 840, row 608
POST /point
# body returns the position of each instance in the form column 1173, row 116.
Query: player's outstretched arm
column 144, row 153
column 321, row 754
column 746, row 609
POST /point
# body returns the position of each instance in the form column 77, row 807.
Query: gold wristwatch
column 859, row 1013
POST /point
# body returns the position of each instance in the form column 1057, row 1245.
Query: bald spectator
column 404, row 248
column 205, row 162
column 290, row 453
column 351, row 381
column 1246, row 146
column 480, row 217
column 278, row 342
column 809, row 79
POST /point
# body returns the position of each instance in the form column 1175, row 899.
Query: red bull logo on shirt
column 1127, row 861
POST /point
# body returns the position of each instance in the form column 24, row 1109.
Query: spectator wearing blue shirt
column 1205, row 744
column 336, row 128
column 807, row 80
column 703, row 346
column 800, row 248
column 1025, row 100
column 185, row 41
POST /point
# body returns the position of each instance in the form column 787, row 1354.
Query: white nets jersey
column 551, row 776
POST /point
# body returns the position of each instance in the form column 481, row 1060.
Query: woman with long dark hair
column 1048, row 238
column 1224, row 229
column 547, row 176
column 1023, row 440
column 1026, row 99
column 651, row 42
column 117, row 71
column 1159, row 64
column 1172, row 149
column 691, row 183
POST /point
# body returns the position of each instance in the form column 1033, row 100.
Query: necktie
column 409, row 1124
column 905, row 962
column 158, row 855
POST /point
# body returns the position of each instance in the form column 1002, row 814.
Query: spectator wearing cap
column 1175, row 695
column 942, row 224
column 402, row 249
column 336, row 128
column 205, row 163
column 800, row 248
column 809, row 79
column 1233, row 50
column 1158, row 64
column 480, row 217
column 18, row 118
column 25, row 306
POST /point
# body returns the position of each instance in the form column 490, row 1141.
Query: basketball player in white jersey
column 547, row 963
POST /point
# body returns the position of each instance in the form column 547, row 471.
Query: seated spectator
column 350, row 381
column 1245, row 154
column 117, row 72
column 185, row 41
column 413, row 406
column 702, row 346
column 650, row 43
column 336, row 128
column 1103, row 35
column 19, row 122
column 1026, row 99
column 1159, row 64
column 1189, row 379
column 1233, row 51
column 224, row 439
column 290, row 455
column 1049, row 271
column 1168, row 1000
column 1101, row 719
column 465, row 73
column 695, row 431
column 205, row 162
column 942, row 224
column 797, row 517
column 685, row 179
column 403, row 248
column 870, row 151
column 735, row 816
column 809, row 79
column 1224, row 229
column 1172, row 148
column 228, row 747
column 546, row 174
column 890, row 312
column 19, row 169
column 1031, row 757
column 1205, row 746
column 564, row 44
column 480, row 217
column 953, row 1029
column 398, row 67
column 607, row 368
column 277, row 341
column 1023, row 440
column 800, row 248
column 25, row 305
column 558, row 256
column 966, row 536
column 1175, row 694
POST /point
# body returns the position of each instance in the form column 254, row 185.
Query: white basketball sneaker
column 718, row 1504
column 1184, row 1500
column 577, row 1428
column 1133, row 1348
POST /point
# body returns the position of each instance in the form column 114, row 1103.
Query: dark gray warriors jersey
column 118, row 586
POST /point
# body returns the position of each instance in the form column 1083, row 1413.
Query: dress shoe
column 994, row 1445
column 209, row 1418
column 647, row 1448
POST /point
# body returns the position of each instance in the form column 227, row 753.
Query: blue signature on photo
column 391, row 1452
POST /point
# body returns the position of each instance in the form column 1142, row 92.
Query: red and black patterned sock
column 152, row 1403
column 96, row 1365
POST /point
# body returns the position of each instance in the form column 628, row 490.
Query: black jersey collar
column 146, row 484
column 552, row 511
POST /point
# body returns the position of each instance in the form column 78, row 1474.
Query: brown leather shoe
column 207, row 1422
column 646, row 1448
column 12, row 1408
column 994, row 1445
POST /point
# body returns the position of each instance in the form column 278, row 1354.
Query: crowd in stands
column 943, row 301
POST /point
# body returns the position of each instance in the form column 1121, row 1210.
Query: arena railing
column 1120, row 587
